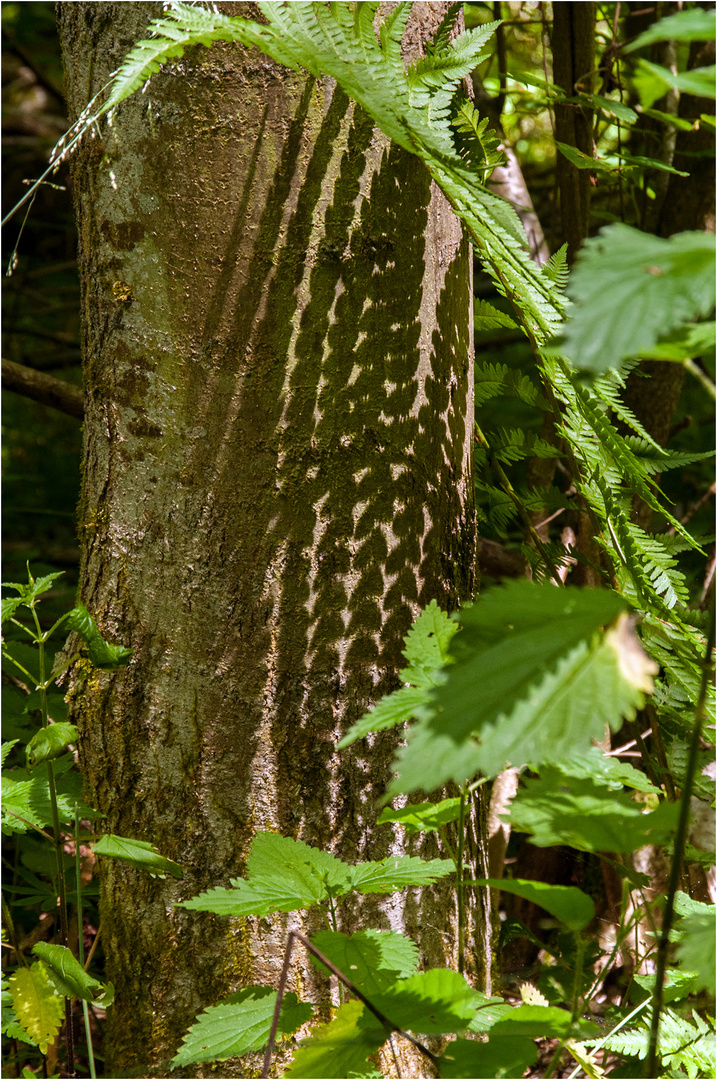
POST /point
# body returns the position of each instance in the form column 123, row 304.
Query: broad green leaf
column 239, row 1025
column 559, row 809
column 372, row 959
column 541, row 1022
column 685, row 343
column 584, row 161
column 427, row 645
column 692, row 24
column 526, row 661
column 260, row 897
column 610, row 107
column 102, row 654
column 434, row 1002
column 398, row 872
column 28, row 795
column 138, row 853
column 68, row 975
column 592, row 764
column 678, row 122
column 39, row 1010
column 279, row 858
column 696, row 949
column 396, row 708
column 570, row 905
column 340, row 1048
column 630, row 289
column 423, row 817
column 652, row 81
column 502, row 1056
column 488, row 317
column 49, row 743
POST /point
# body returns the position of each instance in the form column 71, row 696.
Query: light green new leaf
column 33, row 588
column 399, row 872
column 630, row 289
column 239, row 1025
column 138, row 853
column 396, row 708
column 696, row 949
column 652, row 81
column 49, row 743
column 69, row 977
column 434, row 1002
column 572, row 906
column 9, row 1022
column 692, row 24
column 503, row 1056
column 39, row 1010
column 423, row 817
column 341, row 1048
column 560, row 809
column 292, row 862
column 102, row 654
column 372, row 959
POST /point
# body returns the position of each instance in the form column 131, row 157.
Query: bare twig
column 44, row 388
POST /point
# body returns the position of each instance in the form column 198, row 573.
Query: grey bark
column 278, row 403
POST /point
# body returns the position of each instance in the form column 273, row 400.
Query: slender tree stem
column 680, row 839
column 459, row 884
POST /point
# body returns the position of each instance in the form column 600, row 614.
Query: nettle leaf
column 572, row 906
column 9, row 606
column 69, row 977
column 102, row 654
column 137, row 853
column 506, row 1055
column 426, row 649
column 434, row 1002
column 630, row 289
column 423, row 817
column 372, row 959
column 49, row 743
column 398, row 872
column 239, row 1025
column 33, row 588
column 341, row 1048
column 271, row 855
column 39, row 1010
column 532, row 679
column 29, row 796
column 559, row 809
column 693, row 24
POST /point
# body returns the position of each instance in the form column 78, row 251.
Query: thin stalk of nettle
column 679, row 848
column 460, row 884
column 61, row 892
column 517, row 503
column 8, row 920
column 81, row 943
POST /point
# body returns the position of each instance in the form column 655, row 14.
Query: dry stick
column 388, row 1024
column 680, row 838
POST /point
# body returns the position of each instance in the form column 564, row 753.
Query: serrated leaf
column 372, row 959
column 559, row 809
column 67, row 974
column 398, row 872
column 49, row 743
column 33, row 588
column 341, row 1048
column 39, row 1010
column 433, row 1002
column 137, row 853
column 427, row 645
column 696, row 949
column 692, row 24
column 571, row 906
column 9, row 606
column 259, row 897
column 239, row 1025
column 488, row 317
column 273, row 855
column 29, row 796
column 502, row 1056
column 630, row 289
column 423, row 817
column 594, row 765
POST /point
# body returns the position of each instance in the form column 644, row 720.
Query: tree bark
column 278, row 403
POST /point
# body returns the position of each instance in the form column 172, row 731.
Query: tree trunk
column 278, row 374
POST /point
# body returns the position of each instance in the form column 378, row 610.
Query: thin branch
column 37, row 385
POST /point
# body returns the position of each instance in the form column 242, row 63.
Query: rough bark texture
column 278, row 373
column 573, row 45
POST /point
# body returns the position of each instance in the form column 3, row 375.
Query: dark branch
column 46, row 389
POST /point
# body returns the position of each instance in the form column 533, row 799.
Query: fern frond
column 475, row 142
column 607, row 388
column 487, row 317
column 516, row 444
column 667, row 459
column 556, row 268
column 494, row 379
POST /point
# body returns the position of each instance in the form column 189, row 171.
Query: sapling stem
column 459, row 883
column 81, row 944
